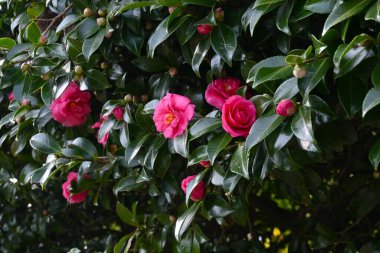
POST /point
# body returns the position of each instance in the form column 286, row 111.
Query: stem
column 54, row 20
column 315, row 58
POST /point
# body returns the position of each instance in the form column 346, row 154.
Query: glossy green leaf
column 320, row 6
column 371, row 100
column 302, row 125
column 262, row 127
column 216, row 145
column 287, row 89
column 224, row 42
column 375, row 77
column 7, row 43
column 126, row 215
column 180, row 145
column 152, row 153
column 91, row 44
column 95, row 80
column 239, row 161
column 134, row 147
column 68, row 21
column 199, row 54
column 203, row 126
column 374, row 155
column 217, row 207
column 45, row 143
column 150, row 64
column 199, row 154
column 33, row 32
column 283, row 14
column 184, row 221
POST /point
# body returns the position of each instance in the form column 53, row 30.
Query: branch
column 54, row 20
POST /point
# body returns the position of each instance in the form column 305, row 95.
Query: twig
column 57, row 18
column 315, row 58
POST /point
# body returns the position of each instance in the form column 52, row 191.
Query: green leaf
column 184, row 221
column 192, row 184
column 92, row 43
column 374, row 155
column 134, row 147
column 17, row 49
column 42, row 174
column 252, row 16
column 127, row 184
column 6, row 43
column 302, row 125
column 150, row 64
column 343, row 11
column 272, row 67
column 106, row 127
column 373, row 13
column 269, row 74
column 35, row 9
column 199, row 154
column 95, row 80
column 230, row 181
column 283, row 15
column 45, row 143
column 351, row 93
column 288, row 89
column 199, row 54
column 375, row 77
column 224, row 42
column 68, row 21
column 318, row 45
column 135, row 5
column 126, row 215
column 217, row 207
column 85, row 146
column 203, row 126
column 265, row 2
column 216, row 145
column 261, row 128
column 33, row 32
column 239, row 161
column 180, row 145
column 162, row 33
column 152, row 153
column 371, row 100
column 320, row 6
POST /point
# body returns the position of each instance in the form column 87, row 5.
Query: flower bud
column 171, row 9
column 25, row 67
column 172, row 71
column 205, row 29
column 113, row 149
column 109, row 35
column 43, row 40
column 299, row 71
column 144, row 98
column 205, row 164
column 88, row 12
column 376, row 175
column 118, row 113
column 104, row 65
column 101, row 21
column 219, row 14
column 77, row 77
column 128, row 98
column 286, row 107
column 102, row 13
column 78, row 70
column 25, row 102
column 46, row 76
column 172, row 218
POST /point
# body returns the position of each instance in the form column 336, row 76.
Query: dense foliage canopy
column 190, row 126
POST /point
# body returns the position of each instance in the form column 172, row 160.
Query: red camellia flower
column 205, row 29
column 172, row 115
column 204, row 163
column 218, row 91
column 98, row 124
column 238, row 115
column 286, row 107
column 118, row 113
column 11, row 96
column 72, row 107
column 73, row 198
column 199, row 191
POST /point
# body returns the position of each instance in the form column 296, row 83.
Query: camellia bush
column 190, row 126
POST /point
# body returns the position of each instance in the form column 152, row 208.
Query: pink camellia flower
column 25, row 101
column 286, row 107
column 238, row 115
column 98, row 124
column 205, row 29
column 72, row 107
column 172, row 115
column 204, row 163
column 218, row 91
column 11, row 96
column 118, row 113
column 73, row 198
column 199, row 191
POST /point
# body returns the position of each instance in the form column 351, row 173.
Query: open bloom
column 73, row 198
column 172, row 115
column 286, row 107
column 205, row 29
column 72, row 107
column 98, row 124
column 218, row 91
column 238, row 115
column 198, row 192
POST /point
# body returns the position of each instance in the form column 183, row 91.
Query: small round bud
column 205, row 29
column 249, row 237
column 78, row 70
column 104, row 65
column 19, row 120
column 148, row 26
column 128, row 98
column 25, row 67
column 219, row 14
column 205, row 164
column 113, row 149
column 117, row 50
column 286, row 108
column 172, row 218
column 108, row 35
column 77, row 77
column 25, row 101
column 46, row 76
column 45, row 212
column 102, row 13
column 88, row 12
column 144, row 98
column 172, row 71
column 43, row 40
column 376, row 174
column 299, row 71
column 101, row 22
column 171, row 9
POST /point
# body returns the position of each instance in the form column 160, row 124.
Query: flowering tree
column 189, row 126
